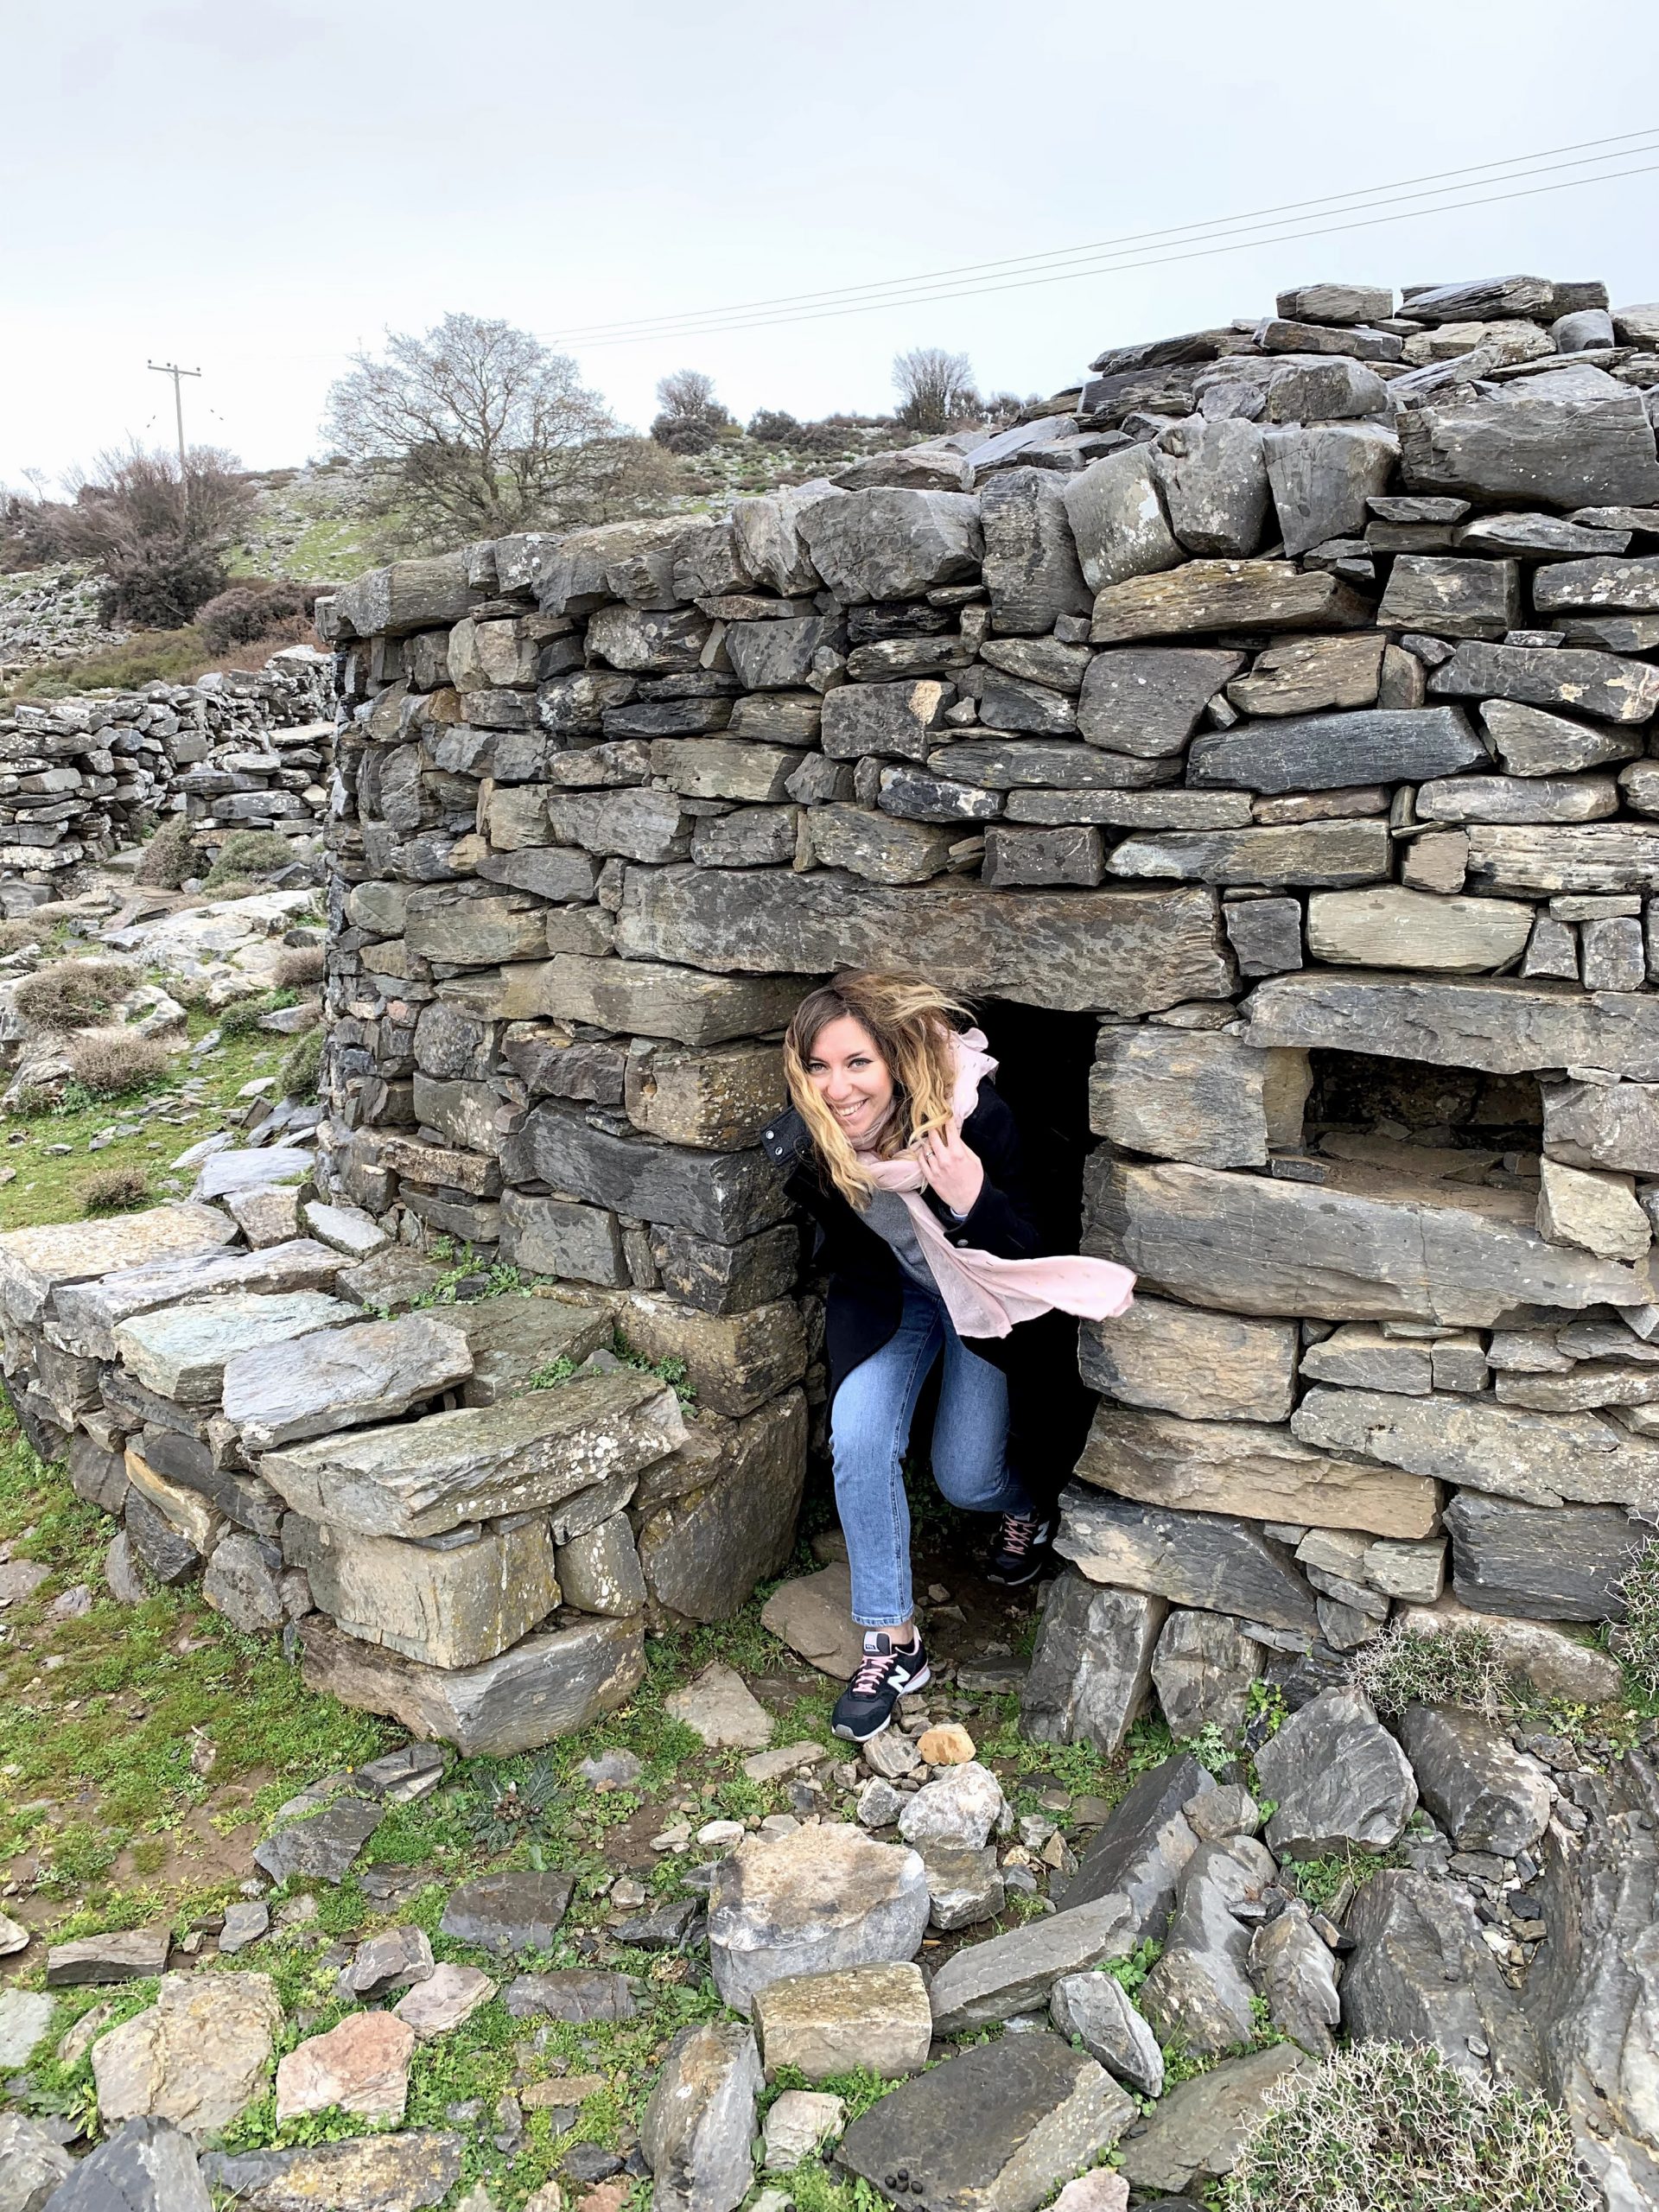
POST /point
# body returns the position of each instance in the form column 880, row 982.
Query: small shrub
column 21, row 931
column 238, row 888
column 300, row 964
column 158, row 585
column 73, row 993
column 1388, row 2127
column 773, row 426
column 248, row 853
column 252, row 609
column 1635, row 1640
column 302, row 1066
column 113, row 1062
column 241, row 1017
column 114, row 1189
column 169, row 858
column 1459, row 1666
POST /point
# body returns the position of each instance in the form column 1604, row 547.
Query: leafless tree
column 936, row 389
column 690, row 416
column 484, row 426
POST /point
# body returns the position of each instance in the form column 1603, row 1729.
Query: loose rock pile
column 236, row 750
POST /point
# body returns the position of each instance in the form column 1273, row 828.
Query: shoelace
column 873, row 1672
column 1017, row 1536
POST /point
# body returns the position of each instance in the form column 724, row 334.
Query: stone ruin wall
column 1274, row 718
column 239, row 749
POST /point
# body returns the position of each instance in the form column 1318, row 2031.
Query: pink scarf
column 984, row 1294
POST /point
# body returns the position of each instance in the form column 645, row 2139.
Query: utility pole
column 171, row 369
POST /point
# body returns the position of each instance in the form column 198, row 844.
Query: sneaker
column 1022, row 1552
column 865, row 1706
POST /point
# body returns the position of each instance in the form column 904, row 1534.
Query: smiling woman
column 898, row 1143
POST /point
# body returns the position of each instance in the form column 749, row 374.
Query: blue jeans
column 869, row 1430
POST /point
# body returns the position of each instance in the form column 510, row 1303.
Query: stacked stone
column 240, row 1380
column 1280, row 696
column 239, row 749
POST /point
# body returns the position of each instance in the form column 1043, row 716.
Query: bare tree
column 484, row 426
column 690, row 416
column 936, row 389
column 158, row 534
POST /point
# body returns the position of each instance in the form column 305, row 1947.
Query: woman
column 897, row 1144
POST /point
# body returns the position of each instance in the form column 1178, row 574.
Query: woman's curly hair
column 910, row 1021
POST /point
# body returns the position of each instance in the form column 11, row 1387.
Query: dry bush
column 113, row 1062
column 169, row 858
column 254, row 608
column 299, row 965
column 73, row 993
column 1459, row 1666
column 21, row 931
column 1391, row 2127
column 1635, row 1640
column 114, row 1189
column 247, row 853
column 302, row 1066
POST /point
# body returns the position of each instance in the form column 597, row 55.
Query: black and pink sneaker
column 1021, row 1551
column 884, row 1675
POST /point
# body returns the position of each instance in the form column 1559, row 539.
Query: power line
column 1124, row 242
column 1113, row 266
column 171, row 369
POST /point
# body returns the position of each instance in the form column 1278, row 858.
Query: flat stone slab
column 1198, row 2129
column 453, row 1601
column 34, row 1262
column 324, row 1844
column 197, row 2056
column 403, row 2172
column 512, row 1911
column 720, row 1707
column 252, row 1171
column 812, row 1615
column 423, row 1478
column 548, row 1685
column 181, row 1353
column 1014, row 1973
column 996, row 2129
column 342, row 1378
column 362, row 2066
column 1114, row 951
column 815, row 1901
column 84, row 1316
column 1338, row 1778
column 512, row 1338
column 575, row 1993
column 132, row 1956
column 448, row 1995
column 830, row 2023
column 146, row 2165
column 1213, row 1559
column 25, row 2016
column 345, row 1229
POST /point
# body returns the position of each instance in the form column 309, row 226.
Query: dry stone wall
column 1281, row 697
column 240, row 749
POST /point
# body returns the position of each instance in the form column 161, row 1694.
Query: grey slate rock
column 1091, row 1671
column 727, row 1196
column 1339, row 1779
column 1452, row 598
column 1199, row 1988
column 966, row 1887
column 1213, row 1559
column 311, row 1386
column 891, row 543
column 1419, row 1973
column 324, row 1844
column 1141, row 1846
column 1011, row 1973
column 1146, row 700
column 1198, row 2129
column 1377, row 745
column 169, row 1556
column 574, row 1993
column 995, row 2130
column 130, row 1955
column 1322, row 475
column 32, row 2163
column 1213, row 476
column 1570, row 438
column 1540, row 1563
column 698, row 2123
column 147, row 2165
column 1603, row 684
column 517, row 1911
column 1094, row 2008
column 1117, row 519
column 1484, row 1792
column 402, row 2173
column 1297, row 1974
column 1031, row 558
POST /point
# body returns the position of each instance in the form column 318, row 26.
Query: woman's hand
column 952, row 1168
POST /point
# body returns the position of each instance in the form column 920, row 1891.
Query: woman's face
column 849, row 1073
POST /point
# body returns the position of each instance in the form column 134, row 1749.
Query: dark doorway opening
column 1043, row 1064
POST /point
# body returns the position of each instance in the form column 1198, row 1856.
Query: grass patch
column 147, row 657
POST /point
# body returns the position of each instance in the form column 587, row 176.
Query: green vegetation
column 169, row 857
column 1459, row 1666
column 146, row 657
column 249, row 854
column 302, row 1065
column 1385, row 2128
column 1636, row 1638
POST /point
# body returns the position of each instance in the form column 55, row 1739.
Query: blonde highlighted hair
column 910, row 1021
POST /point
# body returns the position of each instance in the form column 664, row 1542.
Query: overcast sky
column 259, row 187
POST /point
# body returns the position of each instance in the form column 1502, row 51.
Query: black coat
column 1049, row 1409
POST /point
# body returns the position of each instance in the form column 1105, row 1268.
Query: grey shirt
column 889, row 1217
